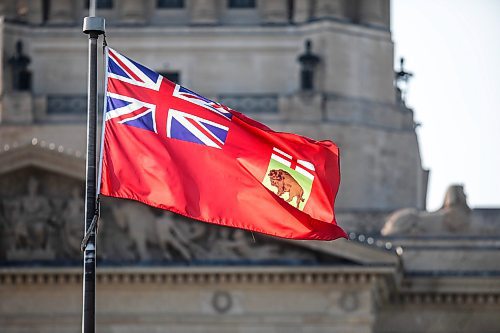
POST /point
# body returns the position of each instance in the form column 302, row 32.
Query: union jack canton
column 139, row 97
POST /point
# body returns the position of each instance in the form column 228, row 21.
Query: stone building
column 321, row 68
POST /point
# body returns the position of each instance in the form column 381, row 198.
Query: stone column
column 132, row 11
column 302, row 12
column 329, row 8
column 61, row 11
column 375, row 13
column 275, row 11
column 204, row 12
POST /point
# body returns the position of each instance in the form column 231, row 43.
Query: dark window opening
column 241, row 3
column 45, row 10
column 175, row 77
column 290, row 10
column 352, row 10
column 170, row 4
column 100, row 4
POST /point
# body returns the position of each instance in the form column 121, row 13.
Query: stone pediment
column 42, row 211
column 46, row 156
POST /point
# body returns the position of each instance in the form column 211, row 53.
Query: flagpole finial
column 94, row 25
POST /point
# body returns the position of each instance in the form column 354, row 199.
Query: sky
column 453, row 49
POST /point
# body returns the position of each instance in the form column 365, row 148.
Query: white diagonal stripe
column 140, row 115
column 147, row 82
column 132, row 107
column 179, row 116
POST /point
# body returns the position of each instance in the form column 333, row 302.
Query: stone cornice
column 472, row 299
column 198, row 275
column 46, row 155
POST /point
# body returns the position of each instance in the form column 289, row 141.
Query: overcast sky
column 453, row 49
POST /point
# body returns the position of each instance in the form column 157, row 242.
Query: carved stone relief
column 41, row 219
column 136, row 232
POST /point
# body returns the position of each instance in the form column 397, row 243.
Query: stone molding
column 46, row 155
column 209, row 275
column 447, row 298
column 345, row 276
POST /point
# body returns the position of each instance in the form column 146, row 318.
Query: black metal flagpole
column 92, row 26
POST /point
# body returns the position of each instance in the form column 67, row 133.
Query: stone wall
column 225, row 299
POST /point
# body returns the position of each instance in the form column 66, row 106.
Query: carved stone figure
column 137, row 222
column 35, row 214
column 170, row 236
column 72, row 229
column 28, row 226
column 48, row 225
column 19, row 226
column 224, row 246
column 254, row 251
column 149, row 235
column 453, row 217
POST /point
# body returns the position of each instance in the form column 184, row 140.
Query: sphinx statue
column 451, row 219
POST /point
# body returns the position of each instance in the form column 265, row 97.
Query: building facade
column 321, row 68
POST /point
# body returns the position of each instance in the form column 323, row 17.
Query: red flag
column 173, row 149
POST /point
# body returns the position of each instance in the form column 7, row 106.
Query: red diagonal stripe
column 131, row 114
column 204, row 131
column 123, row 66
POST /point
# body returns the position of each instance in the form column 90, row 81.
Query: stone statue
column 254, row 251
column 72, row 229
column 236, row 245
column 137, row 224
column 223, row 246
column 35, row 213
column 28, row 221
column 452, row 218
column 170, row 236
column 19, row 226
column 21, row 76
column 308, row 62
column 148, row 235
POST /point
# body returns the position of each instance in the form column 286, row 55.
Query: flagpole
column 92, row 26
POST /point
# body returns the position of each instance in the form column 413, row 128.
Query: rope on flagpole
column 93, row 227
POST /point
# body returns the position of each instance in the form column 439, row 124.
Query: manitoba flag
column 171, row 148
